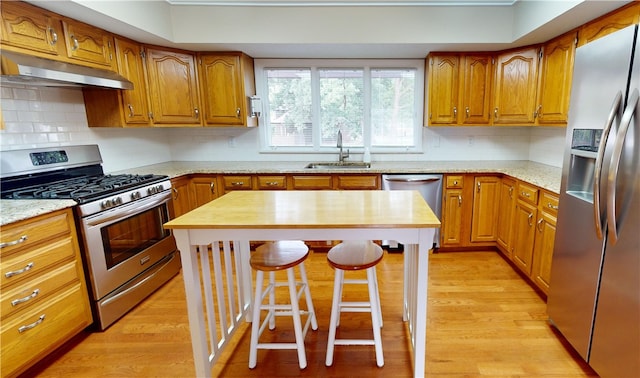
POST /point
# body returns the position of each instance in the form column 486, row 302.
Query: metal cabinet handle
column 271, row 183
column 22, row 239
column 478, row 187
column 25, row 299
column 466, row 110
column 197, row 112
column 537, row 112
column 495, row 113
column 459, row 200
column 54, row 36
column 32, row 325
column 530, row 218
column 238, row 112
column 511, row 192
column 455, row 111
column 525, row 194
column 552, row 206
column 212, row 187
column 130, row 110
column 75, row 42
column 540, row 222
column 19, row 271
column 237, row 183
column 455, row 182
column 176, row 193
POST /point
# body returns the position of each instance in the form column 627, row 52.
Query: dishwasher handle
column 404, row 179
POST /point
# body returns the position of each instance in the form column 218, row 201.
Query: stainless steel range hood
column 28, row 70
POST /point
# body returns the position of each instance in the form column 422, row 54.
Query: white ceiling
column 335, row 29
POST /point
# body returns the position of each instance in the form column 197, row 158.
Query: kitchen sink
column 338, row 165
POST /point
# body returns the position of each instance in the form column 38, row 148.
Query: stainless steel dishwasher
column 429, row 186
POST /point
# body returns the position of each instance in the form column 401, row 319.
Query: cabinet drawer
column 549, row 203
column 272, row 182
column 34, row 232
column 237, row 182
column 528, row 193
column 455, row 182
column 311, row 182
column 64, row 316
column 361, row 182
column 22, row 266
column 32, row 292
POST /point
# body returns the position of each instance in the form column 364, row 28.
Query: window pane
column 341, row 106
column 289, row 107
column 392, row 107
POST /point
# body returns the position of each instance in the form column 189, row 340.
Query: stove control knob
column 105, row 204
column 117, row 201
column 136, row 195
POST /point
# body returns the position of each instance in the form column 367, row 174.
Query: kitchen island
column 236, row 218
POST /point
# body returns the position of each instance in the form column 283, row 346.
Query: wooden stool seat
column 351, row 256
column 270, row 257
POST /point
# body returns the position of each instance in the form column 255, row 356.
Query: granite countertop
column 541, row 175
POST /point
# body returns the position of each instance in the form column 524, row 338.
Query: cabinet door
column 523, row 235
column 31, row 28
column 610, row 23
column 88, row 45
column 443, row 89
column 181, row 203
column 357, row 182
column 173, row 88
column 222, row 90
column 204, row 189
column 131, row 65
column 505, row 214
column 452, row 217
column 515, row 87
column 556, row 73
column 543, row 251
column 475, row 89
column 486, row 201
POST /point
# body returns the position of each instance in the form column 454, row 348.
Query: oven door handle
column 130, row 209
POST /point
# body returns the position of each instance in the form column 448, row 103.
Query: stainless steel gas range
column 127, row 252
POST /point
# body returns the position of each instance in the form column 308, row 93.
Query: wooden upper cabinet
column 173, row 87
column 555, row 78
column 131, row 65
column 609, row 23
column 226, row 81
column 25, row 27
column 515, row 87
column 475, row 89
column 444, row 72
column 88, row 45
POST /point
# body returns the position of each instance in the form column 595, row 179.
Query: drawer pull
column 551, row 206
column 22, row 239
column 237, row 183
column 32, row 325
column 25, row 299
column 525, row 194
column 19, row 271
column 272, row 183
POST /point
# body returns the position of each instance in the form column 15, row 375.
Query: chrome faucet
column 341, row 155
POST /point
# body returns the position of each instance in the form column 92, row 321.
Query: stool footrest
column 353, row 342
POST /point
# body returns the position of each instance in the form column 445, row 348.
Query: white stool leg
column 307, row 295
column 375, row 281
column 272, row 300
column 335, row 314
column 375, row 315
column 255, row 324
column 297, row 323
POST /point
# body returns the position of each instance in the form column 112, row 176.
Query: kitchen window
column 376, row 104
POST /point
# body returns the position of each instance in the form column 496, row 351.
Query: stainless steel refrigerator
column 594, row 297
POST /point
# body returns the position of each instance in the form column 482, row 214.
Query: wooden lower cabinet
column 203, row 189
column 544, row 241
column 523, row 235
column 505, row 215
column 451, row 234
column 486, row 201
column 44, row 295
column 181, row 201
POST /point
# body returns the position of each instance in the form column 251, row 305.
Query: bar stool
column 350, row 256
column 271, row 257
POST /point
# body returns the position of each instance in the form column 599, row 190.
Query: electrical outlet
column 471, row 140
column 232, row 142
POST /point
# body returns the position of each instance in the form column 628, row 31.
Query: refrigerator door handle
column 625, row 122
column 615, row 112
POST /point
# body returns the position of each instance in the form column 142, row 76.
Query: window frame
column 260, row 65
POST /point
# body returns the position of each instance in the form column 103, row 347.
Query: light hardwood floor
column 483, row 321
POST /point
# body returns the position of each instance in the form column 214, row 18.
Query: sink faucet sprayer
column 342, row 156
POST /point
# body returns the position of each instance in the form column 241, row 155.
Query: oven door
column 122, row 242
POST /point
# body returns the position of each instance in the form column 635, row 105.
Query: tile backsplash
column 42, row 117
